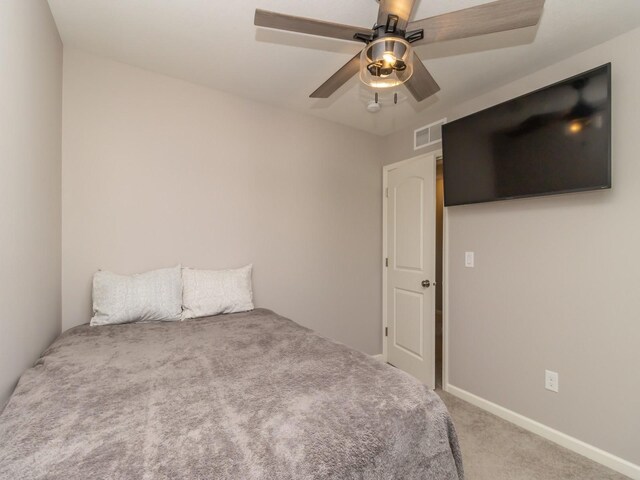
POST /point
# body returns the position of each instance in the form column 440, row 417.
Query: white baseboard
column 593, row 453
column 379, row 357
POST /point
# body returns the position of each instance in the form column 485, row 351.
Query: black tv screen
column 553, row 140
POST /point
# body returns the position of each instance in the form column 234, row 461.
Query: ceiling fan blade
column 421, row 84
column 497, row 16
column 401, row 8
column 338, row 79
column 280, row 21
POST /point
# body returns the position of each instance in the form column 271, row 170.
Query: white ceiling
column 214, row 43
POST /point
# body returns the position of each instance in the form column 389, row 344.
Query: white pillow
column 155, row 295
column 211, row 292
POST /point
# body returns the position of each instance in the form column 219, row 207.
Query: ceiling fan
column 388, row 59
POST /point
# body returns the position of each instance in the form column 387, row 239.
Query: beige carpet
column 494, row 449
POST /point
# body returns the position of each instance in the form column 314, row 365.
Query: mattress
column 242, row 396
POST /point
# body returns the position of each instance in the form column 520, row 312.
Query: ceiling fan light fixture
column 386, row 62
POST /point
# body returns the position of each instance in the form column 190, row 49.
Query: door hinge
column 386, row 331
column 386, row 262
column 386, row 192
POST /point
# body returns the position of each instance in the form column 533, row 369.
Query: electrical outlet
column 551, row 380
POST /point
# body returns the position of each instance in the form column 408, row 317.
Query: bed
column 242, row 396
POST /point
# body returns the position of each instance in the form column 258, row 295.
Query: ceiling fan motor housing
column 373, row 107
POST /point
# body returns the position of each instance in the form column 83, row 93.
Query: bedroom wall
column 556, row 280
column 157, row 171
column 30, row 160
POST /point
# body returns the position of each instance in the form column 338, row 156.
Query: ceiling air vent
column 428, row 135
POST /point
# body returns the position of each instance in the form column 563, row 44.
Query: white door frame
column 445, row 269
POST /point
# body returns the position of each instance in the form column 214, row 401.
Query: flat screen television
column 554, row 140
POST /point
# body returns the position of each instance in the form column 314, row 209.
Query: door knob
column 426, row 284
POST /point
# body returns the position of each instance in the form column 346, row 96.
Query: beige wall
column 157, row 171
column 557, row 280
column 30, row 126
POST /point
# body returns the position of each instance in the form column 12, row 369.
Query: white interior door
column 411, row 270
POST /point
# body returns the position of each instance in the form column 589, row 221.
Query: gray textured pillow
column 150, row 296
column 212, row 292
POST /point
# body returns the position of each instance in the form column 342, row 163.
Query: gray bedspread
column 243, row 396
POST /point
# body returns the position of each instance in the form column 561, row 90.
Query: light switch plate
column 469, row 259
